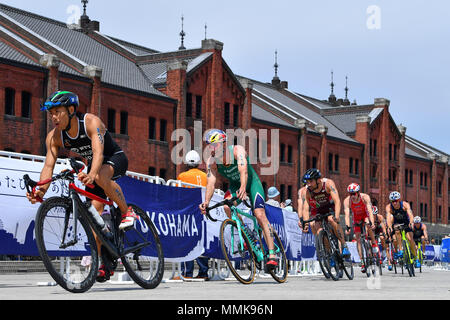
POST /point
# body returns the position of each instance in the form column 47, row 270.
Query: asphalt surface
column 431, row 284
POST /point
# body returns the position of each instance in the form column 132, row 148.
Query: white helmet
column 417, row 219
column 193, row 158
column 395, row 195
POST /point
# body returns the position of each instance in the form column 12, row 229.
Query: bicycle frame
column 79, row 207
column 259, row 252
column 408, row 245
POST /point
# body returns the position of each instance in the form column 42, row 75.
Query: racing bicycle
column 408, row 258
column 65, row 227
column 244, row 249
column 368, row 258
column 331, row 261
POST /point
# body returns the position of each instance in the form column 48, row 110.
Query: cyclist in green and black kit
column 243, row 181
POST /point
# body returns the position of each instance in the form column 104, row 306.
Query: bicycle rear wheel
column 281, row 272
column 143, row 258
column 54, row 225
column 240, row 258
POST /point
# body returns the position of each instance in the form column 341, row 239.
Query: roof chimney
column 85, row 23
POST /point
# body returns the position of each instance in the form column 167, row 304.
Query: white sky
column 405, row 59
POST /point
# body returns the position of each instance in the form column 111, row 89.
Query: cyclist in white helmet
column 399, row 212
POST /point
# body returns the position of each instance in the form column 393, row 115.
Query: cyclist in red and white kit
column 361, row 208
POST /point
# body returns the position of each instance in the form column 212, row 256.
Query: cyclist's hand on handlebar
column 306, row 228
column 85, row 179
column 34, row 196
column 203, row 207
column 241, row 193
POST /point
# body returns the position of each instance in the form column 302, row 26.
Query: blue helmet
column 311, row 174
column 60, row 98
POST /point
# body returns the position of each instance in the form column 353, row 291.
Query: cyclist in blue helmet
column 87, row 136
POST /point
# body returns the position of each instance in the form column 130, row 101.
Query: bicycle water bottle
column 98, row 219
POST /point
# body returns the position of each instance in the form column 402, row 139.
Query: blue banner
column 174, row 212
column 429, row 253
column 445, row 250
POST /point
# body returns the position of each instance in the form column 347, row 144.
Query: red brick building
column 143, row 95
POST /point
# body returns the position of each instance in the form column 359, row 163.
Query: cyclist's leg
column 260, row 215
column 412, row 243
column 338, row 232
column 110, row 187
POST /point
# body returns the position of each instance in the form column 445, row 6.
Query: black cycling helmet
column 62, row 99
column 312, row 174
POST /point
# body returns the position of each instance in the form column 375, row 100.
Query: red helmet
column 353, row 188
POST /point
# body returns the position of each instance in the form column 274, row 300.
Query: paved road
column 430, row 285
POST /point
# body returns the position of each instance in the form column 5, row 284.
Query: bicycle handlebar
column 316, row 218
column 31, row 185
column 225, row 202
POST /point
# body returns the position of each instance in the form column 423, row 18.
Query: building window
column 235, row 116
column 282, row 152
column 357, row 167
column 198, row 107
column 151, row 171
column 375, row 147
column 425, row 208
column 124, row 122
column 440, row 213
column 289, row 193
column 282, row 192
column 162, row 173
column 336, row 162
column 421, row 209
column 350, row 165
column 410, row 177
column 406, row 176
column 390, row 151
column 162, row 130
column 152, row 128
column 314, row 162
column 26, row 104
column 289, row 154
column 189, row 104
column 227, row 114
column 111, row 120
column 10, row 94
column 421, row 179
column 425, row 179
column 395, row 152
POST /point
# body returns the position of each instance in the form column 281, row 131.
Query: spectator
column 273, row 197
column 288, row 205
column 197, row 177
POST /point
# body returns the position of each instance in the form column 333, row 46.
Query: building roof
column 421, row 150
column 117, row 70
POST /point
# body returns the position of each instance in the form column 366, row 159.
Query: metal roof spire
column 276, row 65
column 206, row 29
column 346, row 88
column 84, row 2
column 182, row 34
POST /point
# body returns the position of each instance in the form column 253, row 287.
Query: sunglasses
column 395, row 201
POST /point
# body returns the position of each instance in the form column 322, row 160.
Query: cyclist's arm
column 409, row 211
column 347, row 211
column 96, row 131
column 240, row 155
column 211, row 168
column 389, row 218
column 53, row 143
column 300, row 204
column 305, row 211
column 331, row 188
column 369, row 209
column 425, row 232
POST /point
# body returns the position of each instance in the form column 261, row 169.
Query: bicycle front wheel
column 143, row 255
column 73, row 265
column 408, row 258
column 239, row 256
column 331, row 262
